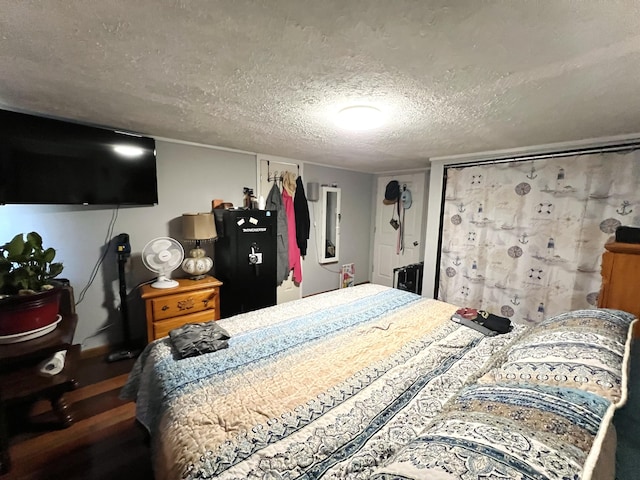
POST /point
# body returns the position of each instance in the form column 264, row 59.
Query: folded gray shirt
column 193, row 339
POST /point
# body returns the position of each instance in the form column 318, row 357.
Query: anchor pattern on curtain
column 525, row 239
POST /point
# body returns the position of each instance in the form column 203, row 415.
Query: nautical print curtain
column 524, row 239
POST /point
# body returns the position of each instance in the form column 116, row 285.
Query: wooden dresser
column 192, row 301
column 621, row 279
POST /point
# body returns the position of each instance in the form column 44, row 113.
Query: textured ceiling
column 265, row 76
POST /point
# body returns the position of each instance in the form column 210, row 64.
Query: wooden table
column 20, row 380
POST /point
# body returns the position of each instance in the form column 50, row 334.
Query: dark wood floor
column 103, row 443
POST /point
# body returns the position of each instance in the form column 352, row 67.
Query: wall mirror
column 330, row 225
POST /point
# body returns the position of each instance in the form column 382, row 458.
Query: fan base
column 164, row 283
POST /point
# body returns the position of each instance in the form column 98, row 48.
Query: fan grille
column 162, row 255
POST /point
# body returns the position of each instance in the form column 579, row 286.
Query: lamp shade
column 198, row 226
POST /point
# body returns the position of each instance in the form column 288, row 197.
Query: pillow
column 585, row 349
column 508, row 432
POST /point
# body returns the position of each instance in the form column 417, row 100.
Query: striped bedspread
column 329, row 386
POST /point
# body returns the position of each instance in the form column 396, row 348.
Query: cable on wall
column 96, row 267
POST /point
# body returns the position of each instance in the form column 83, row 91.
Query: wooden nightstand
column 620, row 276
column 192, row 301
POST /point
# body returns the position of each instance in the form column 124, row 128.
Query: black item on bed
column 193, row 339
column 494, row 322
column 473, row 325
column 482, row 321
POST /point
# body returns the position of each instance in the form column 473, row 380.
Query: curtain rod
column 561, row 153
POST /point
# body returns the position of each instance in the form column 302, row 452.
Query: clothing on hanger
column 295, row 263
column 289, row 183
column 274, row 202
column 303, row 221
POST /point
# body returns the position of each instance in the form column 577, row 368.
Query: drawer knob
column 164, row 308
column 205, row 301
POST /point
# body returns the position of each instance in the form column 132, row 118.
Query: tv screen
column 47, row 161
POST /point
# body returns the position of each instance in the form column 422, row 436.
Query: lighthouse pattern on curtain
column 525, row 239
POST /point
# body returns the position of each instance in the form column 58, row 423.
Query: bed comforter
column 329, row 386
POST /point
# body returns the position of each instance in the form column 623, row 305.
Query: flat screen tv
column 49, row 161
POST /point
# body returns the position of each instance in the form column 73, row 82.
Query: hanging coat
column 274, row 202
column 303, row 222
column 294, row 252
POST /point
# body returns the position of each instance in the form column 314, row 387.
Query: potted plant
column 29, row 297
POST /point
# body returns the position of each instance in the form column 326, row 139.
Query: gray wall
column 356, row 228
column 189, row 177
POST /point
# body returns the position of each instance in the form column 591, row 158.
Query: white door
column 386, row 256
column 269, row 168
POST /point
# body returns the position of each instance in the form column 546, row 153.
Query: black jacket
column 301, row 210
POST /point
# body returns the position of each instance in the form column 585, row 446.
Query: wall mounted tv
column 48, row 161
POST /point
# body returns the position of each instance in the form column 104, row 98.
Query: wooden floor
column 104, row 442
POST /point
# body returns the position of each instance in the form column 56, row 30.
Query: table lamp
column 198, row 227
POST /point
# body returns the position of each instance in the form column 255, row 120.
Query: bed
column 374, row 382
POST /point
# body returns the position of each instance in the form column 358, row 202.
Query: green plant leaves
column 26, row 265
column 48, row 255
column 55, row 269
column 15, row 248
column 35, row 240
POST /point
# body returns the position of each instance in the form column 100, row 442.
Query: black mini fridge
column 245, row 259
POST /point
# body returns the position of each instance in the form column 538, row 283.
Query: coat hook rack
column 275, row 177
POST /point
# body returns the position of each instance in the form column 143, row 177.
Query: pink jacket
column 295, row 263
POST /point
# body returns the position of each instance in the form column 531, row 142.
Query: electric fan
column 163, row 255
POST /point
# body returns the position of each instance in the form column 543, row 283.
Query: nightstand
column 620, row 275
column 192, row 301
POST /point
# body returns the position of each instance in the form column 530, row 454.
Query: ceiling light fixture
column 360, row 117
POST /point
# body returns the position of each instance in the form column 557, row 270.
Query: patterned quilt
column 329, row 386
column 543, row 414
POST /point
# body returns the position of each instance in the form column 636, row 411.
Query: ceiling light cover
column 360, row 117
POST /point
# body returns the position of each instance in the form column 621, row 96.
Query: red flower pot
column 24, row 313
